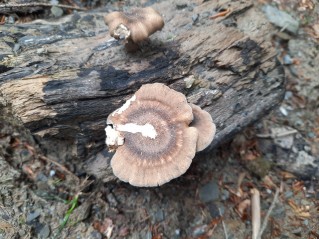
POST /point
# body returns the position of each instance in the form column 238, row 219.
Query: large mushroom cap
column 203, row 122
column 158, row 143
column 156, row 134
column 139, row 24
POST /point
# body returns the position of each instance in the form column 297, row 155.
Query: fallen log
column 62, row 78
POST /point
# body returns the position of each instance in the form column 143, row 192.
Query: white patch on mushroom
column 147, row 130
column 113, row 137
column 125, row 106
column 122, row 32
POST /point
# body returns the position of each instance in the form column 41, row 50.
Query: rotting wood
column 63, row 78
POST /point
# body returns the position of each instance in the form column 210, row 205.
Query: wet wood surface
column 62, row 78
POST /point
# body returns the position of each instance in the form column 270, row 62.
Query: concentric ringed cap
column 158, row 143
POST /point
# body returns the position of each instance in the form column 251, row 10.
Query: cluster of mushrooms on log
column 156, row 132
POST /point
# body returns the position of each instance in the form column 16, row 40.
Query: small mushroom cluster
column 156, row 134
column 135, row 26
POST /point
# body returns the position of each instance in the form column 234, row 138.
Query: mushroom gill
column 153, row 136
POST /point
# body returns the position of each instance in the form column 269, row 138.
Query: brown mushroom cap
column 158, row 144
column 140, row 23
column 203, row 122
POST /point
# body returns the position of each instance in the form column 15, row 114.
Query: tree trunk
column 62, row 78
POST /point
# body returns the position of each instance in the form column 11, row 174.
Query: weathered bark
column 62, row 79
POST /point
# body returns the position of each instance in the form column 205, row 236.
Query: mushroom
column 135, row 26
column 203, row 122
column 156, row 134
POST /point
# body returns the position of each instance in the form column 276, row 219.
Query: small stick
column 220, row 14
column 265, row 222
column 255, row 208
column 277, row 135
column 224, row 226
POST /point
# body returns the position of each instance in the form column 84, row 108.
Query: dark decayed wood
column 61, row 78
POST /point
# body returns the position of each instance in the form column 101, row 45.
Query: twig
column 255, row 208
column 277, row 135
column 224, row 226
column 8, row 7
column 265, row 222
column 220, row 14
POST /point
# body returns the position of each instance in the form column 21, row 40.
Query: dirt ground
column 40, row 198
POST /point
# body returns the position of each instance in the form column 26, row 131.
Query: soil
column 40, row 198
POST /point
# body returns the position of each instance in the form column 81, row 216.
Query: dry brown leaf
column 242, row 209
column 268, row 183
column 302, row 212
column 313, row 235
column 155, row 233
column 105, row 227
column 286, row 175
column 306, row 5
column 275, row 228
column 298, row 186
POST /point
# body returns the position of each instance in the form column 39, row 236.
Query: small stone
column 299, row 123
column 10, row 20
column 21, row 233
column 56, row 11
column 209, row 192
column 195, row 17
column 283, row 111
column 297, row 231
column 289, row 194
column 281, row 19
column 96, row 235
column 284, row 142
column 311, row 135
column 33, row 215
column 200, row 230
column 54, row 2
column 225, row 195
column 307, row 148
column 111, row 199
column 304, row 158
column 159, row 216
column 288, row 95
column 214, row 210
column 41, row 177
column 287, row 60
column 82, row 212
column 52, row 173
column 181, row 5
column 44, row 232
column 16, row 47
column 268, row 191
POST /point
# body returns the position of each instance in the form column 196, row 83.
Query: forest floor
column 40, row 198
